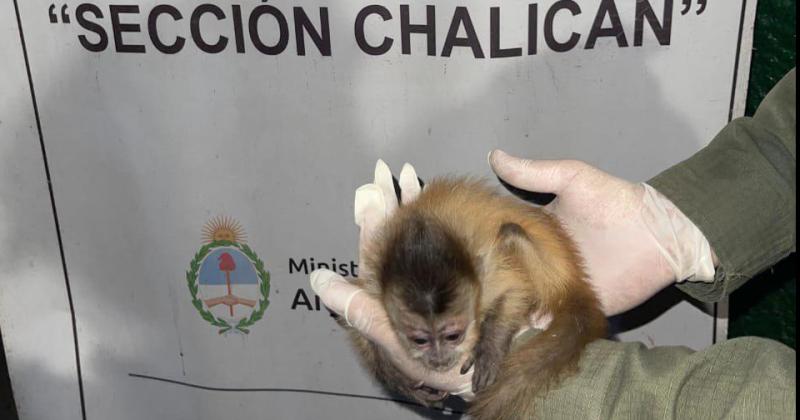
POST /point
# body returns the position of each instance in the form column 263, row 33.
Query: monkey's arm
column 557, row 287
column 497, row 329
column 508, row 312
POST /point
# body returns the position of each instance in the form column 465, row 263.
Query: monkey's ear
column 513, row 240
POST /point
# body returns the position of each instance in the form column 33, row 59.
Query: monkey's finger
column 467, row 365
column 433, row 395
column 484, row 376
column 385, row 181
column 409, row 184
column 539, row 320
column 544, row 176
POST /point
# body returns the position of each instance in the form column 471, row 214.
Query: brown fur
column 524, row 262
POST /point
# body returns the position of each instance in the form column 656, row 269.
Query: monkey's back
column 474, row 212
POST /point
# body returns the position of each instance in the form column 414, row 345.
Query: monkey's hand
column 485, row 364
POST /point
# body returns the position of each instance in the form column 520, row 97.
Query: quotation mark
column 54, row 18
column 687, row 5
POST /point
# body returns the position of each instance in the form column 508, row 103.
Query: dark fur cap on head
column 426, row 265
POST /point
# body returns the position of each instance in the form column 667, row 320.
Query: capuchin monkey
column 460, row 271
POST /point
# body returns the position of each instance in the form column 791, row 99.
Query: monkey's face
column 430, row 290
column 439, row 342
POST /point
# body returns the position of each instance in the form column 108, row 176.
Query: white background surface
column 144, row 149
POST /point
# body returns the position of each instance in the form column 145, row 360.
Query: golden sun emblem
column 223, row 228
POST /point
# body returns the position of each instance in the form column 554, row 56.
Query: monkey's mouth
column 442, row 365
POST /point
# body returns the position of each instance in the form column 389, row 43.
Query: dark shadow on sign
column 538, row 198
column 8, row 410
column 651, row 309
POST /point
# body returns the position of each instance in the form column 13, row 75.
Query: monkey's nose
column 441, row 363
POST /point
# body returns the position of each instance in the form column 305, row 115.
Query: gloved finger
column 359, row 310
column 409, row 184
column 545, row 176
column 370, row 211
column 384, row 181
column 331, row 288
column 348, row 300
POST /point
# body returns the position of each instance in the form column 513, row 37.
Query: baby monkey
column 460, row 271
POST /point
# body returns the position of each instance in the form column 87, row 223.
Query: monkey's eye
column 420, row 341
column 453, row 336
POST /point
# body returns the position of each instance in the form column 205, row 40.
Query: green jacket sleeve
column 743, row 378
column 740, row 192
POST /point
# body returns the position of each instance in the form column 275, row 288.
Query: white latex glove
column 634, row 241
column 374, row 203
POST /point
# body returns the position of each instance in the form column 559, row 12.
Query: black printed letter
column 80, row 11
column 153, row 29
column 663, row 31
column 428, row 28
column 283, row 28
column 119, row 28
column 361, row 39
column 194, row 25
column 549, row 36
column 301, row 299
column 607, row 8
column 494, row 29
column 461, row 17
column 322, row 41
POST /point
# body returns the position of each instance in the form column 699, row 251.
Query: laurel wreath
column 246, row 322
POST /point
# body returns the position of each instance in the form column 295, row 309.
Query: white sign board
column 170, row 173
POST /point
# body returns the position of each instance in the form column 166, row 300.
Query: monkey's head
column 430, row 290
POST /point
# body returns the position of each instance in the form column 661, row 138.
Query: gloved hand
column 634, row 241
column 374, row 203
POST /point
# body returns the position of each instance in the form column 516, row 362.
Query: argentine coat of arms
column 227, row 281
